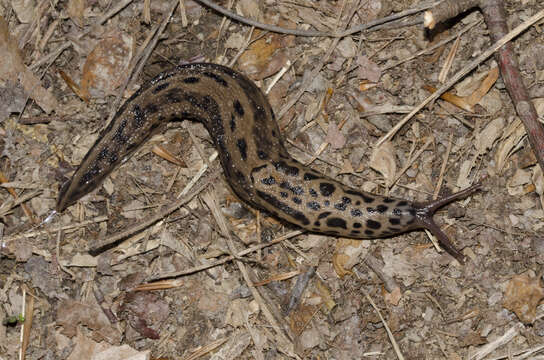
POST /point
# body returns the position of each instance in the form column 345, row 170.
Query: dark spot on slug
column 269, row 180
column 354, row 232
column 381, row 208
column 310, row 176
column 367, row 199
column 394, row 221
column 369, row 232
column 326, row 189
column 388, row 200
column 191, row 80
column 397, row 212
column 89, row 175
column 238, row 108
column 326, row 202
column 356, row 212
column 286, row 169
column 283, row 194
column 242, row 146
column 160, row 87
column 272, row 200
column 317, row 223
column 262, row 155
column 103, row 154
column 297, row 190
column 412, row 212
column 232, row 123
column 274, row 134
column 324, row 214
column 150, row 109
column 119, row 136
column 139, row 116
column 313, row 192
column 173, row 96
column 402, row 203
column 314, row 205
column 218, row 79
column 357, row 225
column 373, row 224
column 357, row 203
column 336, row 222
column 297, row 200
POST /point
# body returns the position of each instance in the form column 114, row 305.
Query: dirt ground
column 171, row 291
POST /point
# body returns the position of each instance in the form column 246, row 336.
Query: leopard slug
column 255, row 161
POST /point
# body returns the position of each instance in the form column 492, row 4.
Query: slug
column 255, row 161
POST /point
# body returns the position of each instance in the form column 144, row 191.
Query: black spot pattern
column 317, row 223
column 139, row 116
column 275, row 202
column 286, row 169
column 313, row 193
column 297, row 190
column 388, row 200
column 160, row 87
column 324, row 214
column 269, row 180
column 356, row 212
column 394, row 221
column 283, row 194
column 402, row 203
column 369, row 232
column 297, row 200
column 326, row 189
column 218, row 79
column 381, row 208
column 309, row 176
column 150, row 109
column 366, row 199
column 314, row 205
column 342, row 206
column 397, row 212
column 119, row 135
column 336, row 222
column 373, row 224
column 191, row 80
column 232, row 123
column 262, row 155
column 242, row 146
column 357, row 225
column 174, row 96
column 238, row 108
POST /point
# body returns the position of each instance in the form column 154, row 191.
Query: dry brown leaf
column 513, row 135
column 522, row 296
column 348, row 253
column 383, row 161
column 484, row 87
column 24, row 9
column 13, row 69
column 263, row 57
column 335, row 137
column 87, row 349
column 106, row 65
column 392, row 297
column 368, row 69
column 490, row 134
column 75, row 11
column 451, row 98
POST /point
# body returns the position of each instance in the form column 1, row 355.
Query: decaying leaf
column 13, row 69
column 106, row 65
column 513, row 135
column 383, row 161
column 368, row 69
column 335, row 137
column 263, row 57
column 348, row 253
column 486, row 137
column 522, row 296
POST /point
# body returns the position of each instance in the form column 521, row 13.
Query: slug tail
column 424, row 218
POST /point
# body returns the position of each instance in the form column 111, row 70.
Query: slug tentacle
column 424, row 218
column 253, row 156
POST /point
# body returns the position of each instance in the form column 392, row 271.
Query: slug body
column 256, row 164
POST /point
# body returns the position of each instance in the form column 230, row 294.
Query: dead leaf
column 368, row 69
column 451, row 98
column 13, row 69
column 484, row 87
column 106, row 65
column 335, row 137
column 510, row 142
column 87, row 349
column 522, row 296
column 75, row 11
column 263, row 57
column 383, row 161
column 348, row 253
column 486, row 137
